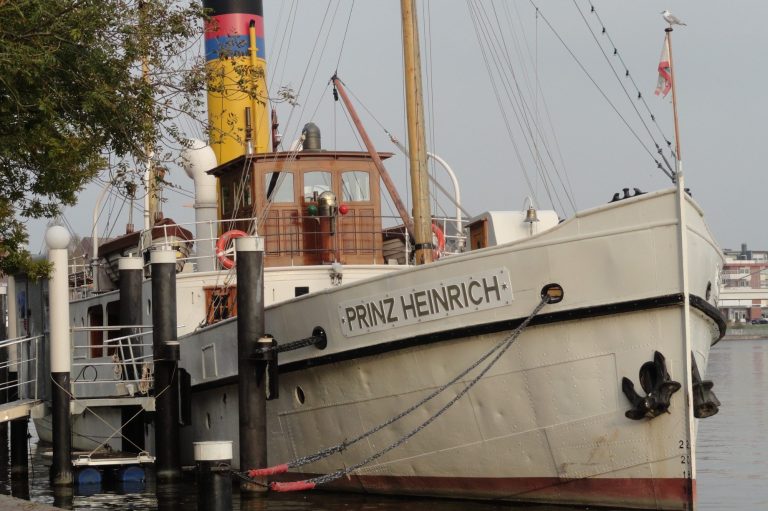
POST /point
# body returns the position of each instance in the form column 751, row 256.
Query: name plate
column 426, row 302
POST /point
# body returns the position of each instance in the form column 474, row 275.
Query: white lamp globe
column 57, row 237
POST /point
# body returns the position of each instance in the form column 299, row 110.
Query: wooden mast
column 422, row 219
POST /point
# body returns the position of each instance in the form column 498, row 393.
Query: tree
column 85, row 85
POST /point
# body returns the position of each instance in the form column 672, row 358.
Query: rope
column 499, row 349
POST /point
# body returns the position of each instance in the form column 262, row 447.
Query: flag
column 665, row 71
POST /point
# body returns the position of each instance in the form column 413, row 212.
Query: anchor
column 658, row 387
column 705, row 402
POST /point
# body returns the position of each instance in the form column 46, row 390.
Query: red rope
column 292, row 486
column 277, row 469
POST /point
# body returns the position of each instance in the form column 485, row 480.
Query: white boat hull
column 547, row 423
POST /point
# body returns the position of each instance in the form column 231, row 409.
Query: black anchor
column 658, row 387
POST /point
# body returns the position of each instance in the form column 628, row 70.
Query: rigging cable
column 602, row 93
column 503, row 111
column 526, row 113
column 630, row 76
column 618, row 79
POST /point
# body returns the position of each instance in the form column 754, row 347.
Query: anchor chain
column 499, row 349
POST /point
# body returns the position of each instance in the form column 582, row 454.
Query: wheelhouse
column 311, row 207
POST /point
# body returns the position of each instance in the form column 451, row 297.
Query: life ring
column 221, row 247
column 439, row 250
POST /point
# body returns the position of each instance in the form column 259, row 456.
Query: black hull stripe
column 500, row 326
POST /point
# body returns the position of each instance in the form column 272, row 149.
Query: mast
column 151, row 177
column 422, row 219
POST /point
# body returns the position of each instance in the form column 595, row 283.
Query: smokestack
column 234, row 39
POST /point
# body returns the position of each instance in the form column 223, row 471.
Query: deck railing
column 20, row 356
column 125, row 368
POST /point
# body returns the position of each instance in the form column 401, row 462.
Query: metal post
column 57, row 238
column 131, row 274
column 166, row 361
column 4, row 381
column 19, row 448
column 252, row 402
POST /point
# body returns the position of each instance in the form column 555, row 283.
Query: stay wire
column 344, row 38
column 618, row 79
column 527, row 116
column 630, row 76
column 500, row 103
column 600, row 90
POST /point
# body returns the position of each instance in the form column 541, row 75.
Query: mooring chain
column 290, row 346
column 500, row 348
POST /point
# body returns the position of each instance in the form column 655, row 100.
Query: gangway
column 19, row 408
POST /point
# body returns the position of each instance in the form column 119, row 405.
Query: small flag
column 665, row 71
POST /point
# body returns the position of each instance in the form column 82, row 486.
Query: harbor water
column 732, row 460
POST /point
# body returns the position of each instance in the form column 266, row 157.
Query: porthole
column 708, row 293
column 224, row 398
column 208, row 421
column 300, row 395
column 553, row 293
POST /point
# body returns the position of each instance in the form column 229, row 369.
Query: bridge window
column 279, row 186
column 315, row 183
column 355, row 186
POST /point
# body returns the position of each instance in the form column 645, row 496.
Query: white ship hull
column 547, row 423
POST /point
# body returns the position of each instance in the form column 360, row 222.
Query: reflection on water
column 732, row 461
column 732, row 447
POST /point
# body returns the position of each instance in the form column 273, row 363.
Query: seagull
column 671, row 18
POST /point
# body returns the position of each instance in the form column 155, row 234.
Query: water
column 732, row 461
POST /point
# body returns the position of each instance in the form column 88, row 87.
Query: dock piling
column 252, row 402
column 166, row 362
column 57, row 238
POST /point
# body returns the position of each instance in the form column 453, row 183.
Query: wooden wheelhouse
column 325, row 206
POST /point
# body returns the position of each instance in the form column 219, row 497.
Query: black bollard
column 57, row 238
column 252, row 402
column 131, row 275
column 214, row 475
column 166, row 361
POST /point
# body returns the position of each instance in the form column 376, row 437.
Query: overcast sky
column 720, row 67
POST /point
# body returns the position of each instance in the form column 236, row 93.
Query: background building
column 744, row 284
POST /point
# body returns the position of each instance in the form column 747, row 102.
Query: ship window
column 315, row 183
column 226, row 198
column 300, row 290
column 96, row 319
column 355, row 186
column 243, row 197
column 279, row 186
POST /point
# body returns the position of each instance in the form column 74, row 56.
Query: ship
column 515, row 357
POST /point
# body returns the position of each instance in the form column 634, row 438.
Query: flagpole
column 678, row 168
column 689, row 471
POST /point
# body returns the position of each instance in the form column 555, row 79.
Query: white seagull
column 671, row 18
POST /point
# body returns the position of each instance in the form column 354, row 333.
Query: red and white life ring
column 221, row 247
column 439, row 249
